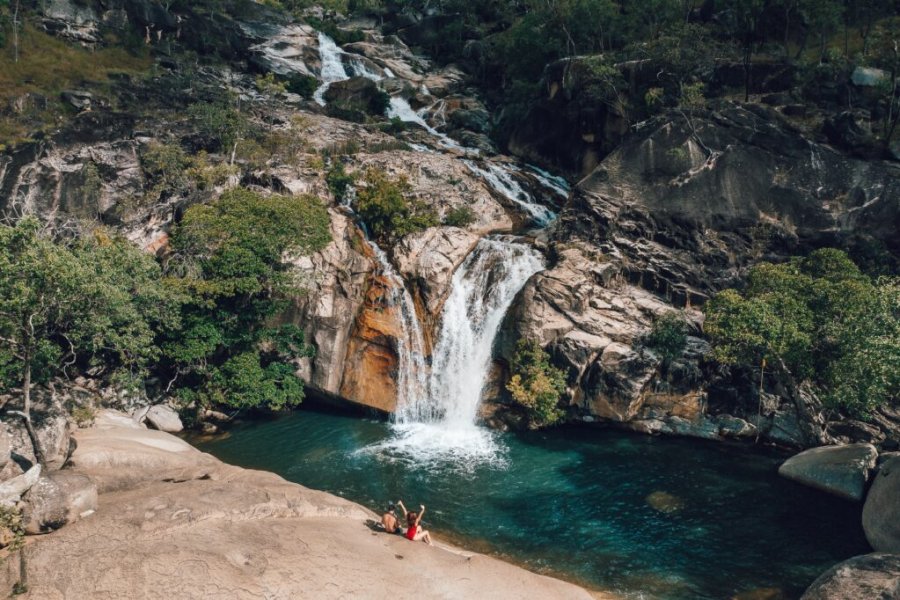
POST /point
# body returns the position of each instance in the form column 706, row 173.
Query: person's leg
column 423, row 536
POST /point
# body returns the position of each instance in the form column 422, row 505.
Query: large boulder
column 839, row 470
column 881, row 512
column 51, row 424
column 869, row 577
column 58, row 499
column 164, row 418
column 11, row 490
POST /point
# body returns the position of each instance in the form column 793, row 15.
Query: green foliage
column 536, row 384
column 269, row 84
column 459, row 216
column 338, row 180
column 305, row 85
column 221, row 126
column 99, row 302
column 231, row 257
column 388, row 212
column 823, row 320
column 165, row 166
column 668, row 337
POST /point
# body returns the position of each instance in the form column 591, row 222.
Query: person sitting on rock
column 414, row 531
column 390, row 522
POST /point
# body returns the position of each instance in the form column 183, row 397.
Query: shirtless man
column 389, row 520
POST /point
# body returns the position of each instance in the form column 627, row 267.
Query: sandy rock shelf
column 173, row 522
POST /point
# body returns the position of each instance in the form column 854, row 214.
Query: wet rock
column 856, row 431
column 291, row 49
column 871, row 576
column 356, row 94
column 839, row 470
column 881, row 512
column 58, row 499
column 164, row 418
column 734, row 427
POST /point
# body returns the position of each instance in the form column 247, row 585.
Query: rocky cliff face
column 673, row 215
column 670, row 210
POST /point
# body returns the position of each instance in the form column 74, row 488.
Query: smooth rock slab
column 881, row 512
column 838, row 470
column 868, row 577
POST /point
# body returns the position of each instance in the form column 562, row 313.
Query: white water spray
column 440, row 427
column 332, row 67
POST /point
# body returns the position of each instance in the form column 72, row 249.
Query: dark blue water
column 649, row 517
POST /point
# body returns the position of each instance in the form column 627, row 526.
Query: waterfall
column 332, row 69
column 439, row 428
column 411, row 370
column 501, row 179
column 553, row 182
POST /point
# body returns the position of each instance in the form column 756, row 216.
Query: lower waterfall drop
column 440, row 426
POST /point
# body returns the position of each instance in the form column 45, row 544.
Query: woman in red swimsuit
column 414, row 532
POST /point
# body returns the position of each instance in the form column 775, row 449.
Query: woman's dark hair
column 411, row 518
column 390, row 508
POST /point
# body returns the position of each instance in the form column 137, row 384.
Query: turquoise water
column 577, row 503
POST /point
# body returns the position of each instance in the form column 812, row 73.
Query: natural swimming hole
column 643, row 516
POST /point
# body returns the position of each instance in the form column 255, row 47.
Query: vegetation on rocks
column 386, row 207
column 819, row 319
column 536, row 385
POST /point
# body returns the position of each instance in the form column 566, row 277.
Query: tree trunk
column 809, row 417
column 26, row 411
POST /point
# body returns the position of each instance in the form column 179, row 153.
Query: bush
column 338, row 181
column 304, row 85
column 165, row 166
column 668, row 337
column 459, row 216
column 220, row 125
column 383, row 205
column 536, row 384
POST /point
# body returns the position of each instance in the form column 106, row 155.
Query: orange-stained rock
column 370, row 369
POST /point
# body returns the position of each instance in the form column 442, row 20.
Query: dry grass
column 48, row 65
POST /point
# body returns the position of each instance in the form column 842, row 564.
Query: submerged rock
column 869, row 577
column 839, row 470
column 665, row 502
column 881, row 512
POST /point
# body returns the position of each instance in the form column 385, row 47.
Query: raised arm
column 403, row 508
column 421, row 512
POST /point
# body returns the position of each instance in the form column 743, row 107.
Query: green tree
column 101, row 301
column 816, row 319
column 233, row 259
column 536, row 384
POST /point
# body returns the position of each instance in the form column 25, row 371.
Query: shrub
column 304, row 85
column 338, row 180
column 459, row 216
column 165, row 166
column 536, row 384
column 384, row 207
column 269, row 84
column 220, row 125
column 668, row 337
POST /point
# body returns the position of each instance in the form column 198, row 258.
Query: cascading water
column 411, row 369
column 502, row 180
column 440, row 427
column 332, row 67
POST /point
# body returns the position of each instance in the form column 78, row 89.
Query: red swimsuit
column 411, row 532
